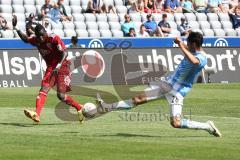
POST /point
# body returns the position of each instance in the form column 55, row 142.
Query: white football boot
column 214, row 131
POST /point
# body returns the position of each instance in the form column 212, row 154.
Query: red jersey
column 51, row 51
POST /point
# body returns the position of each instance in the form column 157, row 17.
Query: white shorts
column 162, row 89
column 157, row 90
column 175, row 101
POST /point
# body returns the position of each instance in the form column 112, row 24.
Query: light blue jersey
column 182, row 78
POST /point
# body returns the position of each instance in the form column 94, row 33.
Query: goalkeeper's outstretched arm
column 21, row 34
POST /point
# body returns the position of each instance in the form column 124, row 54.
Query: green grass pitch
column 121, row 135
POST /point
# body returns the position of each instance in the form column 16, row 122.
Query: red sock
column 73, row 103
column 40, row 101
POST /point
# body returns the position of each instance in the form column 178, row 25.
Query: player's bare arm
column 186, row 51
column 21, row 34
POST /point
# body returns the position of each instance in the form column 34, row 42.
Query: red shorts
column 62, row 79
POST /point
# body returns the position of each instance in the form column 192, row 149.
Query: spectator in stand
column 235, row 17
column 63, row 10
column 3, row 24
column 45, row 9
column 55, row 14
column 172, row 6
column 133, row 8
column 125, row 27
column 106, row 8
column 158, row 33
column 31, row 24
column 165, row 26
column 187, row 6
column 214, row 6
column 131, row 33
column 94, row 6
column 159, row 6
column 233, row 3
column 142, row 32
column 225, row 5
column 150, row 25
column 140, row 5
column 184, row 28
column 127, row 2
column 149, row 6
column 200, row 6
column 74, row 42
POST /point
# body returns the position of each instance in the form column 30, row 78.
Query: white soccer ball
column 89, row 110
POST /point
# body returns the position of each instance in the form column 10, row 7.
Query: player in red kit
column 52, row 50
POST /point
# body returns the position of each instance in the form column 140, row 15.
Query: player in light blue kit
column 175, row 87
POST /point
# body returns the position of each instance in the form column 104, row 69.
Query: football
column 89, row 110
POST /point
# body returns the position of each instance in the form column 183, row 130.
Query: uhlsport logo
column 95, row 43
column 93, row 64
column 221, row 42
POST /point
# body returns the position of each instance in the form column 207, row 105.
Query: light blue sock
column 186, row 123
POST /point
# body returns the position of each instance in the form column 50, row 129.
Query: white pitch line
column 185, row 114
column 18, row 109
